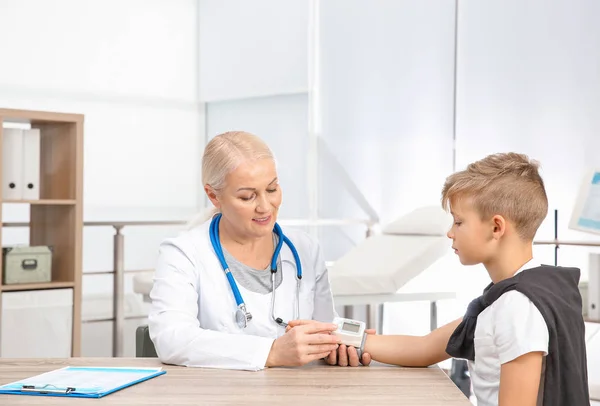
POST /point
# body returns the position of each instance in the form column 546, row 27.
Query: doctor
column 226, row 289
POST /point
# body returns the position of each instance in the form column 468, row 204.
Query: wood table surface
column 313, row 384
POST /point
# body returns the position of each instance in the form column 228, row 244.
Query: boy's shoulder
column 511, row 300
column 551, row 291
column 513, row 322
column 512, row 305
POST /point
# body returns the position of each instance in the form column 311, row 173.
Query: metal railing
column 119, row 271
column 558, row 243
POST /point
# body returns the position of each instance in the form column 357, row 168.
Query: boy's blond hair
column 507, row 184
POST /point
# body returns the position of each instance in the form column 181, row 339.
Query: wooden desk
column 310, row 385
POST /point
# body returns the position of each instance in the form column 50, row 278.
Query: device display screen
column 350, row 327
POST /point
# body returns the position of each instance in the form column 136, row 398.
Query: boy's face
column 471, row 237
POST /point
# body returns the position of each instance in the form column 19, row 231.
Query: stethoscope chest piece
column 242, row 316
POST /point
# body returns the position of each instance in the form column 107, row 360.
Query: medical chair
column 144, row 347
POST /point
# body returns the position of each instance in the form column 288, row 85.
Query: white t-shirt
column 510, row 327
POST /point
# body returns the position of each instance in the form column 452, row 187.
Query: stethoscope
column 242, row 315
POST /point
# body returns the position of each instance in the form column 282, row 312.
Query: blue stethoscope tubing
column 243, row 316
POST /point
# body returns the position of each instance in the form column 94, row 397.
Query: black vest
column 555, row 292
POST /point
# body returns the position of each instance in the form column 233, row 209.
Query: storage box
column 23, row 264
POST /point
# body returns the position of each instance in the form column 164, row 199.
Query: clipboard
column 81, row 382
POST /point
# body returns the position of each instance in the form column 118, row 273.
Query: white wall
column 386, row 90
column 254, row 77
column 136, row 48
column 386, row 94
column 140, row 71
column 252, row 49
column 131, row 69
column 133, row 81
column 282, row 122
column 387, row 109
column 533, row 88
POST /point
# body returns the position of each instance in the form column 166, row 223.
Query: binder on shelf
column 12, row 164
column 31, row 164
column 81, row 382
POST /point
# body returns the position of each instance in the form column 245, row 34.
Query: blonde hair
column 222, row 155
column 508, row 184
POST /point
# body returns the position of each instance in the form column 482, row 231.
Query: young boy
column 524, row 337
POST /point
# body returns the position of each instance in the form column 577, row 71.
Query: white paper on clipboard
column 83, row 380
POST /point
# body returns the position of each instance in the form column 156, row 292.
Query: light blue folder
column 80, row 382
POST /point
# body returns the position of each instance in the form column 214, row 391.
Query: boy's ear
column 499, row 226
column 212, row 196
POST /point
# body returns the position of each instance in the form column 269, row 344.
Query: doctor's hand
column 303, row 344
column 344, row 355
column 348, row 356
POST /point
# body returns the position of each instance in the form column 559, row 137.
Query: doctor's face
column 251, row 198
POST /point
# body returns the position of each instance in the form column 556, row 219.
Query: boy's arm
column 521, row 339
column 520, row 380
column 411, row 351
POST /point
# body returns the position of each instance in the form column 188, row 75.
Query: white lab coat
column 192, row 317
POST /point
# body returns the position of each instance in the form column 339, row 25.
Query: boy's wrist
column 360, row 350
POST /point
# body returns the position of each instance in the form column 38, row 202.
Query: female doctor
column 226, row 289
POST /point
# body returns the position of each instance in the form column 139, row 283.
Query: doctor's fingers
column 332, row 358
column 314, row 357
column 318, row 327
column 353, row 360
column 301, row 322
column 321, row 348
column 314, row 339
column 343, row 356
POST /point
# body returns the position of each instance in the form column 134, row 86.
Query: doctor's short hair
column 225, row 152
column 506, row 184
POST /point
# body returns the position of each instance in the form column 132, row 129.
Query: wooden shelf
column 56, row 219
column 36, row 286
column 44, row 202
column 31, row 116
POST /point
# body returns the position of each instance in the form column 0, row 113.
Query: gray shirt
column 255, row 280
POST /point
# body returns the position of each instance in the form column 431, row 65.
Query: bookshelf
column 56, row 219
